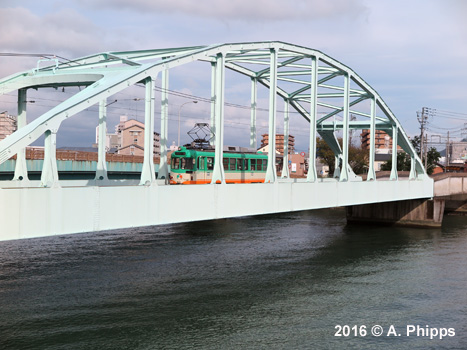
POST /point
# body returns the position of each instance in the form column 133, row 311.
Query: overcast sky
column 413, row 52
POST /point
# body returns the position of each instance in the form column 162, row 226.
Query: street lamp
column 179, row 110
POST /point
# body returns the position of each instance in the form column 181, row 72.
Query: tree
column 403, row 163
column 433, row 157
column 324, row 152
column 403, row 159
column 358, row 157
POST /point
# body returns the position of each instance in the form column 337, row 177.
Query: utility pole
column 422, row 118
column 426, row 151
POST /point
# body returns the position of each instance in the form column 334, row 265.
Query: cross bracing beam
column 326, row 95
column 105, row 74
column 354, row 125
column 279, row 65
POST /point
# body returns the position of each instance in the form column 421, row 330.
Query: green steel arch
column 306, row 79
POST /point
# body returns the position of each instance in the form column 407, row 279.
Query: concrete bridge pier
column 411, row 213
column 449, row 196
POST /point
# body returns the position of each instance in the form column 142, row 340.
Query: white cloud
column 242, row 9
column 62, row 32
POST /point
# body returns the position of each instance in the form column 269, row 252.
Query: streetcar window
column 241, row 164
column 232, row 163
column 175, row 163
column 225, row 161
column 259, row 165
column 253, row 164
column 187, row 163
column 201, row 163
column 210, row 163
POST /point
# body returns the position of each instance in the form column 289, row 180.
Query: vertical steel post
column 413, row 171
column 163, row 166
column 312, row 175
column 344, row 176
column 285, row 159
column 148, row 175
column 218, row 176
column 101, row 168
column 271, row 173
column 254, row 96
column 371, row 159
column 21, row 170
column 393, row 175
column 213, row 104
column 337, row 170
column 49, row 176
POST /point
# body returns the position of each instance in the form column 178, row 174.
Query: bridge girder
column 306, row 77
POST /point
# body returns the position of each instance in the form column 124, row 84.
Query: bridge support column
column 285, row 159
column 218, row 176
column 344, row 175
column 393, row 175
column 49, row 176
column 413, row 173
column 371, row 160
column 148, row 175
column 312, row 175
column 163, row 166
column 254, row 94
column 271, row 173
column 212, row 127
column 101, row 170
column 21, row 170
column 411, row 213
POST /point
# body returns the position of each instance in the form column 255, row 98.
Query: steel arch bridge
column 315, row 85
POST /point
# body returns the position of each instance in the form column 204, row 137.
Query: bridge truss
column 314, row 85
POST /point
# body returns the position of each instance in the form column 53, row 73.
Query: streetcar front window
column 187, row 163
column 175, row 163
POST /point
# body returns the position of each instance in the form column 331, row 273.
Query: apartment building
column 280, row 143
column 8, row 124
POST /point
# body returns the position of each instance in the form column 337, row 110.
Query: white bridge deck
column 35, row 212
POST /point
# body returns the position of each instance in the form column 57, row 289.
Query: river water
column 269, row 282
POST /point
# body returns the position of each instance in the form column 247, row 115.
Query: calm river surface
column 271, row 282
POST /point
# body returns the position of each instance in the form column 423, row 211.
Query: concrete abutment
column 412, row 213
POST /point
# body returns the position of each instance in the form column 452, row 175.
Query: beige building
column 131, row 138
column 8, row 125
column 382, row 140
column 128, row 138
column 279, row 143
column 297, row 165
